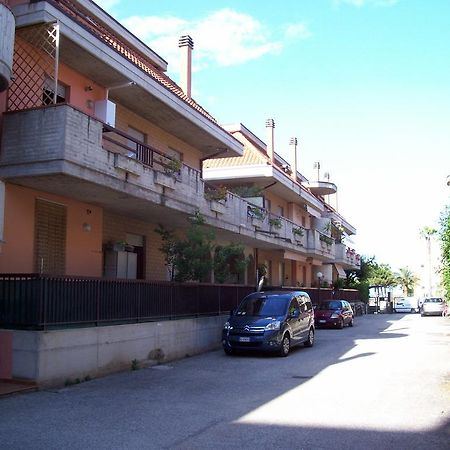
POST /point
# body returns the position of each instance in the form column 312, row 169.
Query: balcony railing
column 108, row 158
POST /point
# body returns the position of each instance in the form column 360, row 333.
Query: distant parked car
column 334, row 313
column 270, row 321
column 406, row 305
column 433, row 306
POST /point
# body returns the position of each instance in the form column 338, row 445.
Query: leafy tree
column 168, row 248
column 382, row 275
column 370, row 274
column 407, row 280
column 444, row 236
column 229, row 261
column 192, row 259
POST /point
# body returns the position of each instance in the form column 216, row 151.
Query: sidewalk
column 12, row 386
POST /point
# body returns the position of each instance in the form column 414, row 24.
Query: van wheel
column 285, row 345
column 341, row 324
column 310, row 341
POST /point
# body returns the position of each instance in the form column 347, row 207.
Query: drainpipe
column 187, row 45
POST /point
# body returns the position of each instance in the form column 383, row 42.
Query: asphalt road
column 383, row 384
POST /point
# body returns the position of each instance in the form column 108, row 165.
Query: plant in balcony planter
column 217, row 194
column 327, row 239
column 256, row 213
column 298, row 232
column 172, row 167
column 275, row 222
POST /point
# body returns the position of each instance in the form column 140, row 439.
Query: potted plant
column 275, row 222
column 172, row 167
column 298, row 232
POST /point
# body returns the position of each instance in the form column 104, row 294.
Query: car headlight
column 335, row 315
column 275, row 325
column 227, row 326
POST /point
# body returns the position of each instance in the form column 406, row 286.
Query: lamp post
column 319, row 276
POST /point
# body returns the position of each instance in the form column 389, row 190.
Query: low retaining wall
column 57, row 356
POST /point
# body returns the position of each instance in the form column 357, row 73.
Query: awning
column 340, row 271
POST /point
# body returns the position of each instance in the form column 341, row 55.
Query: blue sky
column 363, row 84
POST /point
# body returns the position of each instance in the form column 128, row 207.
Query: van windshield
column 269, row 305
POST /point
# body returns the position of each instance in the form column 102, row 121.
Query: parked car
column 270, row 321
column 406, row 305
column 433, row 306
column 334, row 313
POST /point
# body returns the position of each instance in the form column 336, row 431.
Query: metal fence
column 40, row 301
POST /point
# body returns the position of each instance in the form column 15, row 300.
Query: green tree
column 382, row 275
column 427, row 233
column 407, row 280
column 444, row 237
column 192, row 258
column 229, row 262
column 168, row 248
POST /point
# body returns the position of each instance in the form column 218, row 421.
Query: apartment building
column 93, row 133
column 308, row 235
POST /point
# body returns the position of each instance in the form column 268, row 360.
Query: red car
column 334, row 313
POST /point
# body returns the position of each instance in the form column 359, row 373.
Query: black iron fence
column 36, row 301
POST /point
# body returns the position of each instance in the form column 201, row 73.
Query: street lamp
column 319, row 276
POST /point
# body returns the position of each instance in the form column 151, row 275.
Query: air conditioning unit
column 105, row 110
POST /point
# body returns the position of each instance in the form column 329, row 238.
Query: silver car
column 433, row 306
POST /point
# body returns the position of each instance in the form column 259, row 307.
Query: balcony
column 61, row 150
column 347, row 257
column 321, row 245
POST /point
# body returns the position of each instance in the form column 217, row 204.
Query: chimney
column 186, row 44
column 270, row 125
column 293, row 145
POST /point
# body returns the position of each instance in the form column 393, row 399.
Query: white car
column 432, row 307
column 405, row 305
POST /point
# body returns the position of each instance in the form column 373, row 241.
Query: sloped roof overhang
column 147, row 97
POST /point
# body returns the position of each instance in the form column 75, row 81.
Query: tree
column 407, row 280
column 370, row 274
column 229, row 262
column 444, row 236
column 427, row 233
column 168, row 248
column 192, row 258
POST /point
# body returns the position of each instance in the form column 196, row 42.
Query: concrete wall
column 53, row 357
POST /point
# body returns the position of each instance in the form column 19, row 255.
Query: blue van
column 270, row 321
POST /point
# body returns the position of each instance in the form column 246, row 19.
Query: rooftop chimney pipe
column 293, row 144
column 270, row 125
column 186, row 44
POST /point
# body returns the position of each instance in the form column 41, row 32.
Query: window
column 174, row 154
column 138, row 136
column 48, row 92
column 50, row 238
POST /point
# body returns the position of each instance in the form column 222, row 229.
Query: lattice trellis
column 35, row 67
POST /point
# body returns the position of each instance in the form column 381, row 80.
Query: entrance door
column 50, row 238
column 138, row 242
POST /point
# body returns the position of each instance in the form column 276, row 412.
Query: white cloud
column 297, row 30
column 223, row 38
column 359, row 3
